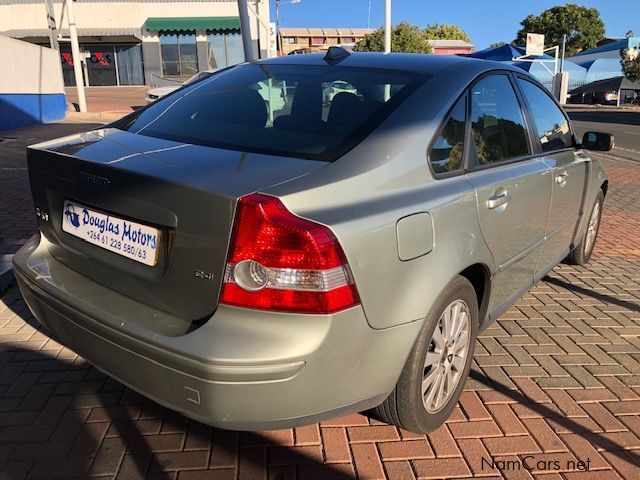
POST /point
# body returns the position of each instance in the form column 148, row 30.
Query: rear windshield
column 314, row 112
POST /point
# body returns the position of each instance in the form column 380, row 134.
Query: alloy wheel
column 446, row 356
column 592, row 229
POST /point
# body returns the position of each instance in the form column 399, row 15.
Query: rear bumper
column 242, row 369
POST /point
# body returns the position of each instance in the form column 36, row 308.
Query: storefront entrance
column 106, row 64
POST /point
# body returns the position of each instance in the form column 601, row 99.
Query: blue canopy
column 505, row 53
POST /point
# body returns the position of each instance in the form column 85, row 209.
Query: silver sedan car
column 256, row 271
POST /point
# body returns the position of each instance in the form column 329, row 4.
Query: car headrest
column 343, row 107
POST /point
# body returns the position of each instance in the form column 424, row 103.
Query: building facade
column 451, row 47
column 309, row 40
column 142, row 42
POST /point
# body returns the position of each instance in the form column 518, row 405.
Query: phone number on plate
column 115, row 244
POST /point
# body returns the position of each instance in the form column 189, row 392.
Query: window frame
column 465, row 150
column 473, row 164
column 534, row 127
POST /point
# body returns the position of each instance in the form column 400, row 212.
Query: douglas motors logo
column 72, row 217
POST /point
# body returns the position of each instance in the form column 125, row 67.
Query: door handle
column 497, row 200
column 561, row 179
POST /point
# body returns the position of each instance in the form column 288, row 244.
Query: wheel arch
column 479, row 276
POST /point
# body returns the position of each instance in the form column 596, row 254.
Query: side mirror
column 602, row 142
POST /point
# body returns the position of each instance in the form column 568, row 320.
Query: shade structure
column 192, row 23
column 505, row 53
column 609, row 85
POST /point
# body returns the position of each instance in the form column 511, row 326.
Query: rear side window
column 447, row 150
column 308, row 111
column 499, row 129
column 552, row 125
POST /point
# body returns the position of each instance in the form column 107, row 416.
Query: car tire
column 407, row 406
column 581, row 254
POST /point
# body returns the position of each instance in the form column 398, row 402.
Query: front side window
column 178, row 53
column 552, row 125
column 280, row 109
column 447, row 150
column 498, row 127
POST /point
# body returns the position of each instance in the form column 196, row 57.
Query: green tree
column 582, row 26
column 497, row 44
column 630, row 62
column 443, row 31
column 404, row 38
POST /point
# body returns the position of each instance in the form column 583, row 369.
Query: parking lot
column 554, row 391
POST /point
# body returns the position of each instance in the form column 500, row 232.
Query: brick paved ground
column 557, row 379
column 17, row 221
column 109, row 99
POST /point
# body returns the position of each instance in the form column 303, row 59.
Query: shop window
column 179, row 54
column 129, row 62
column 224, row 49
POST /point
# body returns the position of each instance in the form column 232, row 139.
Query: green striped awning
column 192, row 23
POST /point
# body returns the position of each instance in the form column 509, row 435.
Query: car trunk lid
column 187, row 192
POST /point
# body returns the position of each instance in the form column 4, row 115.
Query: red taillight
column 278, row 261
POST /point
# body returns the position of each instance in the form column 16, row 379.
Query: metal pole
column 75, row 53
column 564, row 49
column 53, row 29
column 387, row 26
column 245, row 30
column 369, row 16
column 277, row 27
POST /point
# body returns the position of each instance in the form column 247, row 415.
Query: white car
column 334, row 88
column 155, row 93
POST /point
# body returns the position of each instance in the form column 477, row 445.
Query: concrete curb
column 6, row 272
column 104, row 117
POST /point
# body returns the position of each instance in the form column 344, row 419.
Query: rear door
column 554, row 140
column 513, row 186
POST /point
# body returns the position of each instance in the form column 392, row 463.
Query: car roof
column 427, row 64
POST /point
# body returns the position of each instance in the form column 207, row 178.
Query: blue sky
column 486, row 21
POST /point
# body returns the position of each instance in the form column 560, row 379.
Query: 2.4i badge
column 204, row 275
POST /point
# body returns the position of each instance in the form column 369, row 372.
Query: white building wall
column 29, row 69
column 31, row 86
column 31, row 14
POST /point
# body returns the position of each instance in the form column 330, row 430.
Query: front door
column 568, row 169
column 101, row 65
column 513, row 188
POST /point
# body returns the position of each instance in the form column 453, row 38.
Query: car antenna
column 336, row 54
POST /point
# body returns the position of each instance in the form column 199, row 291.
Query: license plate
column 124, row 237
